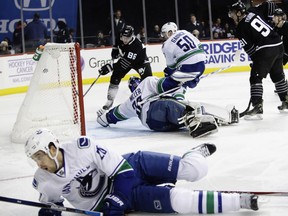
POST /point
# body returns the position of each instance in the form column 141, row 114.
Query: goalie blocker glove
column 105, row 69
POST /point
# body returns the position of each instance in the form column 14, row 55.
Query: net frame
column 57, row 76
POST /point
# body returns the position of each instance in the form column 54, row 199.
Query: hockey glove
column 168, row 71
column 50, row 212
column 113, row 206
column 191, row 84
column 115, row 53
column 105, row 69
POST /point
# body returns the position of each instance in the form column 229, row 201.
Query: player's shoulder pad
column 83, row 142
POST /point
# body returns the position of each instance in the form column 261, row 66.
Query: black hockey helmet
column 127, row 31
column 133, row 82
column 278, row 12
column 238, row 6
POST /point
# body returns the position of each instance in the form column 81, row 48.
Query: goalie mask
column 168, row 29
column 41, row 140
column 133, row 82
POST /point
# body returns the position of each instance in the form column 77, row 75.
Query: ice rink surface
column 250, row 156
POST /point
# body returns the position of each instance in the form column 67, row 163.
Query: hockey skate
column 205, row 149
column 284, row 106
column 249, row 201
column 255, row 113
column 101, row 118
column 234, row 116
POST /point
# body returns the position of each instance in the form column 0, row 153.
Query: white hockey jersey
column 182, row 48
column 138, row 103
column 83, row 179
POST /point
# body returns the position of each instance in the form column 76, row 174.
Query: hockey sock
column 203, row 202
column 256, row 91
column 281, row 89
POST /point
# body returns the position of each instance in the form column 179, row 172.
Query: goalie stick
column 156, row 97
column 49, row 206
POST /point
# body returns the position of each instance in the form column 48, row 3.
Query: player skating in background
column 183, row 53
column 92, row 177
column 265, row 48
column 166, row 113
column 132, row 55
column 281, row 27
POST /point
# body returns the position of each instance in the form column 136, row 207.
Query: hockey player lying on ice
column 165, row 113
column 92, row 177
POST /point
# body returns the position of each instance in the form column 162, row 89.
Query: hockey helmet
column 278, row 12
column 167, row 27
column 238, row 6
column 40, row 140
column 127, row 31
column 133, row 82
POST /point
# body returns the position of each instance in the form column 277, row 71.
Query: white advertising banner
column 16, row 70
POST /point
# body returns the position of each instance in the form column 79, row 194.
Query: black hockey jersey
column 265, row 10
column 255, row 34
column 133, row 55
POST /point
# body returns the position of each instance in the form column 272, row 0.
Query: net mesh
column 52, row 98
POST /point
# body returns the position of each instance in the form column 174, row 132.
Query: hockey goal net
column 55, row 96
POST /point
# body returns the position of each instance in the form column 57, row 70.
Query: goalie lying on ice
column 160, row 112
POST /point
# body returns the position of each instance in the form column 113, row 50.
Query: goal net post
column 54, row 99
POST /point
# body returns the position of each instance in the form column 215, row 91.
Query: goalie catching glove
column 198, row 125
column 105, row 69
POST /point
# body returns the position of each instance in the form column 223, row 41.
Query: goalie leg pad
column 204, row 129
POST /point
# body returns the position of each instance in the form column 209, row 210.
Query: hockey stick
column 156, row 97
column 260, row 193
column 246, row 110
column 49, row 206
column 92, row 85
column 236, row 59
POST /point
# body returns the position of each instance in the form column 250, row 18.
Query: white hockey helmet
column 40, row 140
column 167, row 27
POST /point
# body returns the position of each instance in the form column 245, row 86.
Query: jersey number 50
column 186, row 43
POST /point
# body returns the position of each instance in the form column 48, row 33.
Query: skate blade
column 285, row 111
column 207, row 133
column 254, row 117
